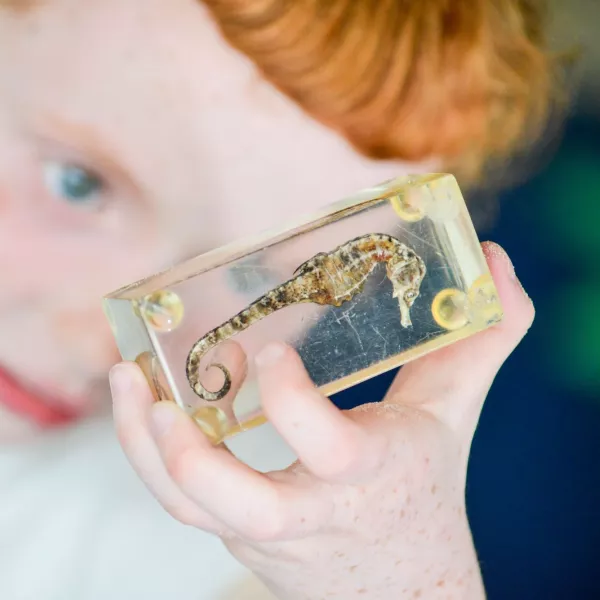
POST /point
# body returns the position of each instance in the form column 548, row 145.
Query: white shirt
column 77, row 524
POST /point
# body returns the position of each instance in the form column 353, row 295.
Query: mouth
column 29, row 405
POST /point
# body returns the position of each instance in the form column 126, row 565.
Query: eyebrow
column 81, row 139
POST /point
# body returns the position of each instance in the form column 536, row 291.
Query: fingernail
column 162, row 417
column 120, row 381
column 270, row 355
column 494, row 250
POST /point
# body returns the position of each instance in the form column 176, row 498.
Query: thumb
column 452, row 382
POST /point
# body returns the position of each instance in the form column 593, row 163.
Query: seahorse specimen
column 330, row 278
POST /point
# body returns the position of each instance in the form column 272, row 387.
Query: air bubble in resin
column 484, row 300
column 450, row 309
column 163, row 310
column 213, row 421
column 408, row 205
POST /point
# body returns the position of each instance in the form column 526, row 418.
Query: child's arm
column 375, row 507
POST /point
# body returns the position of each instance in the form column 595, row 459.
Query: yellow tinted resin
column 369, row 283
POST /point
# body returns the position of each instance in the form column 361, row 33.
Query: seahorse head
column 406, row 278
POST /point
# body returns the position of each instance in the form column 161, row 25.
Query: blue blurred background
column 534, row 477
column 534, row 481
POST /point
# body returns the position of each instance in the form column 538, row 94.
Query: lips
column 30, row 406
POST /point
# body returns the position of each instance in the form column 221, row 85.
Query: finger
column 247, row 502
column 454, row 380
column 132, row 400
column 329, row 443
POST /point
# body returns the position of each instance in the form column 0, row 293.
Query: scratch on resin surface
column 330, row 278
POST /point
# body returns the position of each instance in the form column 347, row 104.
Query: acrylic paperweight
column 367, row 284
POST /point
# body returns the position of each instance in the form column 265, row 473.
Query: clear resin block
column 366, row 285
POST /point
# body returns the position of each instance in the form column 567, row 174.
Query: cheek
column 77, row 320
column 87, row 335
column 24, row 273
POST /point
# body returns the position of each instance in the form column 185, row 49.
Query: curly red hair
column 464, row 81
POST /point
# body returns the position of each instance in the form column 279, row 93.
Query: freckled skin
column 331, row 278
column 383, row 546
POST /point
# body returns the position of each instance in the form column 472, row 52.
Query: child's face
column 132, row 136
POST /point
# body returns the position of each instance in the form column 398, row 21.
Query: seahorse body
column 330, row 278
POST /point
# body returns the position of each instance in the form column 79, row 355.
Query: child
column 135, row 134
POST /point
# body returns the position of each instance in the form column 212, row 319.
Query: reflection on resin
column 154, row 374
column 331, row 278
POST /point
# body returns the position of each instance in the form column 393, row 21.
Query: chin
column 15, row 428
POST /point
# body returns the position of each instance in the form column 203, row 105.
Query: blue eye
column 71, row 183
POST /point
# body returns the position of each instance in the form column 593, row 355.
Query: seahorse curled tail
column 274, row 300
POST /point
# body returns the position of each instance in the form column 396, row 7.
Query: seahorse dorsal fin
column 309, row 264
column 301, row 268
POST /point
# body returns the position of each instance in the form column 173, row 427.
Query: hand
column 375, row 506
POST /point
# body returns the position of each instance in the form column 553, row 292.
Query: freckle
column 439, row 505
column 417, row 594
column 356, row 519
column 398, row 562
column 408, row 499
column 362, row 591
column 353, row 568
column 433, row 488
column 440, row 583
column 421, row 531
column 402, row 513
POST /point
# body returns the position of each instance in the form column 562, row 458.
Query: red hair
column 463, row 81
